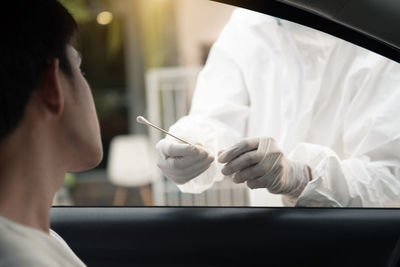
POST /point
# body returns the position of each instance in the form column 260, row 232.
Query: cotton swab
column 142, row 120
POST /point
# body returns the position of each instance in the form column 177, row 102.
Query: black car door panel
column 229, row 236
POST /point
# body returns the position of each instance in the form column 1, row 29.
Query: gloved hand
column 260, row 163
column 181, row 162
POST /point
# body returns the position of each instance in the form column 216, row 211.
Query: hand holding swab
column 142, row 120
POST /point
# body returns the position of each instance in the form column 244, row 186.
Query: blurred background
column 142, row 57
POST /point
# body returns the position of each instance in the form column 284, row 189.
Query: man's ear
column 51, row 88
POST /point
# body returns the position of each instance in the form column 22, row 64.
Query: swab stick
column 142, row 120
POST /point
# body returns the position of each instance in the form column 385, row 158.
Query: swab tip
column 141, row 120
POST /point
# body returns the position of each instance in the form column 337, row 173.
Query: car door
column 247, row 236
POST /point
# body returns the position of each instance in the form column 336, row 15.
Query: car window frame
column 354, row 30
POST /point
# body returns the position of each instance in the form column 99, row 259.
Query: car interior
column 252, row 236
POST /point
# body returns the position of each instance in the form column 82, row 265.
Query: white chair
column 130, row 164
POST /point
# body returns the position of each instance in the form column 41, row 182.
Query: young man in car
column 48, row 126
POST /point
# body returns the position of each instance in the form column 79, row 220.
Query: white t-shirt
column 22, row 246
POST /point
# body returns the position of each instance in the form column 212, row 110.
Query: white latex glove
column 260, row 163
column 181, row 162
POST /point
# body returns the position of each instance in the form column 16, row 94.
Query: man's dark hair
column 33, row 32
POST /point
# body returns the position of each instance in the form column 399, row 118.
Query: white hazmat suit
column 327, row 103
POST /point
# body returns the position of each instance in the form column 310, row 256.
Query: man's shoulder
column 26, row 260
column 19, row 250
column 23, row 246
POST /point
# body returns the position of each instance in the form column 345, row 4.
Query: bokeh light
column 104, row 18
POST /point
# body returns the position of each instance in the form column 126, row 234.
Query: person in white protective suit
column 295, row 111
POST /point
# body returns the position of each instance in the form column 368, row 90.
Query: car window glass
column 326, row 104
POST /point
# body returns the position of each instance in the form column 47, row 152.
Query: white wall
column 198, row 22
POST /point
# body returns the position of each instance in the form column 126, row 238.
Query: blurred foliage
column 86, row 11
column 79, row 9
column 115, row 37
column 69, row 180
column 158, row 33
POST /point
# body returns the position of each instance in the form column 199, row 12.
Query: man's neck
column 27, row 205
column 29, row 178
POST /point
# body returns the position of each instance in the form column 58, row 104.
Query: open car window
column 326, row 103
